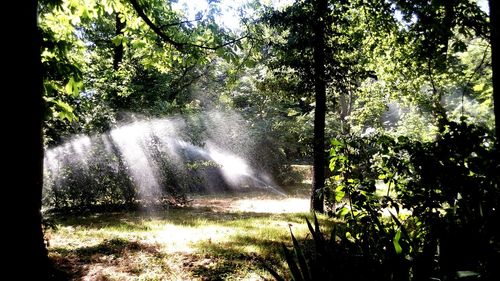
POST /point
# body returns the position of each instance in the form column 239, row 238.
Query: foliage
column 293, row 45
column 420, row 57
column 415, row 170
column 101, row 59
column 434, row 26
column 101, row 180
column 412, row 210
column 345, row 254
column 60, row 66
column 265, row 101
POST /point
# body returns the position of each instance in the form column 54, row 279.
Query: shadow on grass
column 255, row 243
column 246, row 253
column 228, row 259
column 225, row 260
column 73, row 264
column 132, row 221
column 188, row 216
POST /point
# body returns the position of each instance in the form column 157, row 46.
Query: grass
column 217, row 238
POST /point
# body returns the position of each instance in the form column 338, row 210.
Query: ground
column 219, row 237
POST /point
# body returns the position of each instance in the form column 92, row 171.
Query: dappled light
column 276, row 206
column 188, row 243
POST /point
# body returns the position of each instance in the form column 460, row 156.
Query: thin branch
column 431, row 76
column 180, row 46
column 220, row 46
column 245, row 59
column 156, row 29
column 476, row 70
column 183, row 75
column 252, row 41
column 178, row 23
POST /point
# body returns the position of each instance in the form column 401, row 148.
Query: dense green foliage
column 103, row 66
column 411, row 210
column 88, row 85
column 412, row 186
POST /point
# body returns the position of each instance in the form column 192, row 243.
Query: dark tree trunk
column 495, row 63
column 118, row 49
column 318, row 183
column 24, row 171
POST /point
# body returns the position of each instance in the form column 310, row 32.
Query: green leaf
column 291, row 264
column 108, row 8
column 62, row 110
column 316, row 233
column 336, row 143
column 300, row 256
column 332, row 165
column 339, row 195
column 478, row 88
column 344, row 211
column 73, row 86
column 292, row 112
column 117, row 40
column 395, row 241
column 138, row 44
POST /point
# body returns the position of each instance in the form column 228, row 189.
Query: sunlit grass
column 197, row 243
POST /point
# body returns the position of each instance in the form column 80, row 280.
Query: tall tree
column 25, row 159
column 319, row 24
column 438, row 30
column 118, row 48
column 314, row 45
column 495, row 61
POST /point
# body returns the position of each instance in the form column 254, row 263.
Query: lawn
column 218, row 237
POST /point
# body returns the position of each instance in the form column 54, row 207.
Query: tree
column 126, row 56
column 422, row 71
column 118, row 49
column 317, row 197
column 438, row 30
column 25, row 161
column 26, row 141
column 495, row 57
column 315, row 45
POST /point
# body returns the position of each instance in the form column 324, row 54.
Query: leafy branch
column 180, row 46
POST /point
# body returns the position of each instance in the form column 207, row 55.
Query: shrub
column 412, row 210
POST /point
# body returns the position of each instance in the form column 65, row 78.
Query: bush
column 413, row 210
column 99, row 178
column 345, row 255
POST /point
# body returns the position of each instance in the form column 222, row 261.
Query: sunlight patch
column 182, row 239
column 274, row 206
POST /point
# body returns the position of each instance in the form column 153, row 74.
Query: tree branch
column 213, row 48
column 180, row 46
column 178, row 23
column 156, row 29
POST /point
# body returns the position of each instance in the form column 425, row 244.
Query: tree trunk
column 495, row 64
column 118, row 49
column 24, row 171
column 318, row 183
